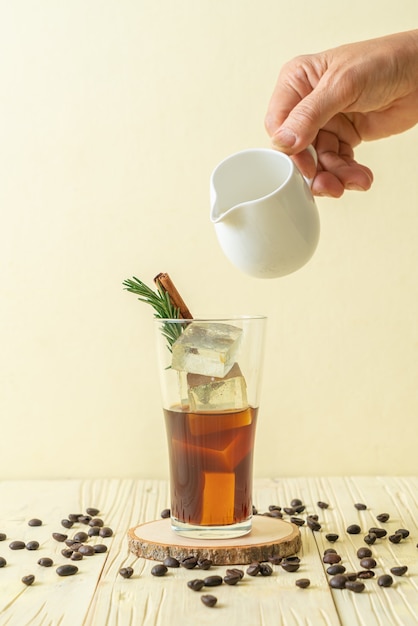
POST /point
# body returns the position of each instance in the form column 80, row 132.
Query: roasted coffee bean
column 379, row 532
column 351, row 575
column 17, row 545
column 276, row 514
column 382, row 517
column 365, row 574
column 3, row 562
column 189, row 562
column 298, row 521
column 395, row 538
column 338, row 581
column 67, row 523
column 86, row 550
column 370, row 538
column 399, row 570
column 81, row 536
column 368, row 562
column 94, row 531
column 126, row 572
column 331, row 558
column 159, row 570
column 363, row 552
column 235, row 570
column 330, row 551
column 76, row 556
column 105, row 531
column 290, row 566
column 67, row 552
column 84, row 519
column 74, row 517
column 403, row 532
column 385, row 580
column 67, row 570
column 322, row 505
column 96, row 521
column 253, row 569
column 92, row 511
column 331, row 537
column 208, row 600
column 292, row 559
column 3, row 536
column 360, row 507
column 265, row 569
column 313, row 524
column 100, row 548
column 45, row 561
column 212, row 581
column 332, row 570
column 165, row 513
column 170, row 561
column 274, row 507
column 289, row 510
column 196, row 584
column 300, row 508
column 28, row 579
column 275, row 559
column 204, row 563
column 355, row 586
column 296, row 502
column 303, row 583
column 59, row 537
column 353, row 529
column 313, row 516
column 35, row 522
column 74, row 545
column 232, row 578
column 32, row 545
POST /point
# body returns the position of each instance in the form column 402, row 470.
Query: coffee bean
column 235, row 571
column 265, row 569
column 289, row 566
column 165, row 513
column 331, row 537
column 275, row 559
column 45, row 561
column 3, row 562
column 196, row 584
column 96, row 521
column 204, row 563
column 67, row 552
column 379, row 532
column 298, row 521
column 363, row 552
column 303, row 583
column 330, row 551
column 313, row 516
column 126, row 572
column 86, row 550
column 331, row 558
column 170, row 561
column 399, row 570
column 370, row 538
column 59, row 537
column 332, row 570
column 28, row 579
column 84, row 519
column 322, row 505
column 351, row 575
column 17, row 545
column 92, row 511
column 382, row 517
column 296, row 502
column 67, row 570
column 35, row 522
column 275, row 514
column 289, row 510
column 254, row 510
column 73, row 545
column 253, row 569
column 396, row 538
column 355, row 586
column 67, row 523
column 212, row 581
column 385, row 580
column 100, row 548
column 338, row 581
column 209, row 600
column 313, row 524
column 94, row 531
column 300, row 508
column 232, row 578
column 360, row 507
column 274, row 507
column 365, row 574
column 403, row 532
column 76, row 556
column 159, row 570
column 3, row 536
column 74, row 517
column 32, row 545
column 81, row 536
column 105, row 531
column 189, row 562
column 353, row 529
column 368, row 562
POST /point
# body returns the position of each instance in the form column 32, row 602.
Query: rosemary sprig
column 161, row 303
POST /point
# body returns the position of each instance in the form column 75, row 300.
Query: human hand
column 340, row 97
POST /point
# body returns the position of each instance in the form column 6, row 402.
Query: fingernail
column 284, row 138
column 354, row 187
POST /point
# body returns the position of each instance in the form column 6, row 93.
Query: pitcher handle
column 313, row 153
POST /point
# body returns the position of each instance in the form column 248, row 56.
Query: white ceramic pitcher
column 264, row 213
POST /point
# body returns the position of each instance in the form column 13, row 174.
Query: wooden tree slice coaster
column 268, row 537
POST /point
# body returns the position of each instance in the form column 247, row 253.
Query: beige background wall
column 113, row 114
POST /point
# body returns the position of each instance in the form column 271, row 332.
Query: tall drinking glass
column 210, row 374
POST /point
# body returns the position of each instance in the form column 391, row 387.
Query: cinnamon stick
column 164, row 281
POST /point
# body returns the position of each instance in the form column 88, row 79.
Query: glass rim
column 211, row 318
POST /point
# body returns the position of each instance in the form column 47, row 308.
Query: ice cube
column 207, row 348
column 209, row 393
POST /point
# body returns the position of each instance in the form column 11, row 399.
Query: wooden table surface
column 98, row 595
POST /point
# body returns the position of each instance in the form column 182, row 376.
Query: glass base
column 229, row 531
